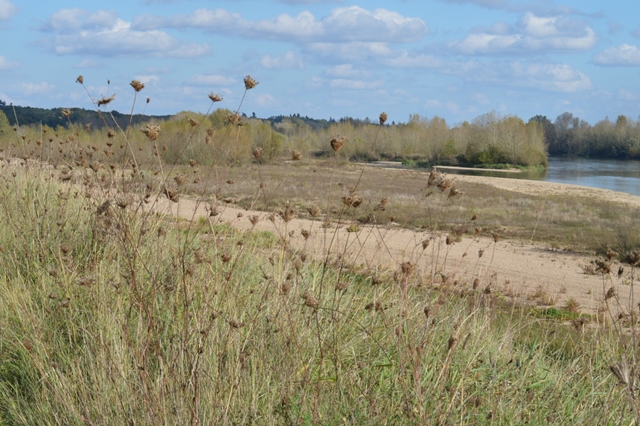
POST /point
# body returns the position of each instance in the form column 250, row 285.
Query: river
column 616, row 175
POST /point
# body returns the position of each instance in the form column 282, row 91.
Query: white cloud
column 345, row 71
column 34, row 88
column 481, row 98
column 492, row 4
column 67, row 21
column 102, row 33
column 146, row 79
column 265, row 100
column 551, row 77
column 308, row 1
column 343, row 83
column 288, row 60
column 625, row 54
column 6, row 64
column 436, row 104
column 89, row 64
column 354, row 51
column 7, row 10
column 406, row 60
column 532, row 33
column 346, row 24
column 211, row 80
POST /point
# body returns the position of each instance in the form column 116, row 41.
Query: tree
column 2, row 103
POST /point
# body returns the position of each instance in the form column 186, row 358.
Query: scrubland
column 113, row 313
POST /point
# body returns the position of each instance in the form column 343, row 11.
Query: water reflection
column 616, row 175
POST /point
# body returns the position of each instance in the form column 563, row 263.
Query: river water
column 616, row 175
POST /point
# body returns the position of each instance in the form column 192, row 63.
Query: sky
column 454, row 59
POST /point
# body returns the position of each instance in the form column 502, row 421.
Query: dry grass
column 113, row 314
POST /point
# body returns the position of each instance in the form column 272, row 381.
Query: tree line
column 489, row 140
column 571, row 136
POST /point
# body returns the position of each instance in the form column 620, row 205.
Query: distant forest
column 482, row 141
column 28, row 116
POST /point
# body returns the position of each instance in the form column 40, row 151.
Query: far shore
column 478, row 169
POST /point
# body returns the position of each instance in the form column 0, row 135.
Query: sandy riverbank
column 519, row 269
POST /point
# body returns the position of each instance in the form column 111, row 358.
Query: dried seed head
column 434, row 178
column 305, row 233
column 148, row 100
column 257, row 153
column 454, row 191
column 634, row 257
column 152, row 131
column 234, row 118
column 137, row 86
column 215, row 97
column 66, row 112
column 425, row 244
column 610, row 253
column 407, row 268
column 193, row 163
column 624, row 373
column 610, row 293
column 383, row 118
column 313, row 211
column 106, row 101
column 296, row 155
column 249, row 83
column 254, row 219
column 80, row 79
column 193, row 122
column 287, row 213
column 449, row 240
column 310, row 300
column 476, row 283
column 474, row 217
column 111, row 134
column 337, row 143
column 496, row 237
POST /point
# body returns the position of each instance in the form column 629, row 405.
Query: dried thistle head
column 313, row 211
column 383, row 118
column 66, row 112
column 215, row 97
column 137, row 85
column 106, row 101
column 407, row 268
column 287, row 213
column 296, row 155
column 337, row 143
column 257, row 153
column 151, row 131
column 193, row 122
column 111, row 134
column 310, row 300
column 249, row 83
column 80, row 79
column 234, row 118
column 610, row 293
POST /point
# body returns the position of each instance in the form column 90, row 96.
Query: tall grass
column 113, row 313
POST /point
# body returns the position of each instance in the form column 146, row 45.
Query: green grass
column 126, row 317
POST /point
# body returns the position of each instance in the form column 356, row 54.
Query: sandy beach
column 527, row 271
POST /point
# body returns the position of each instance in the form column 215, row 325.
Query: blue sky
column 455, row 59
